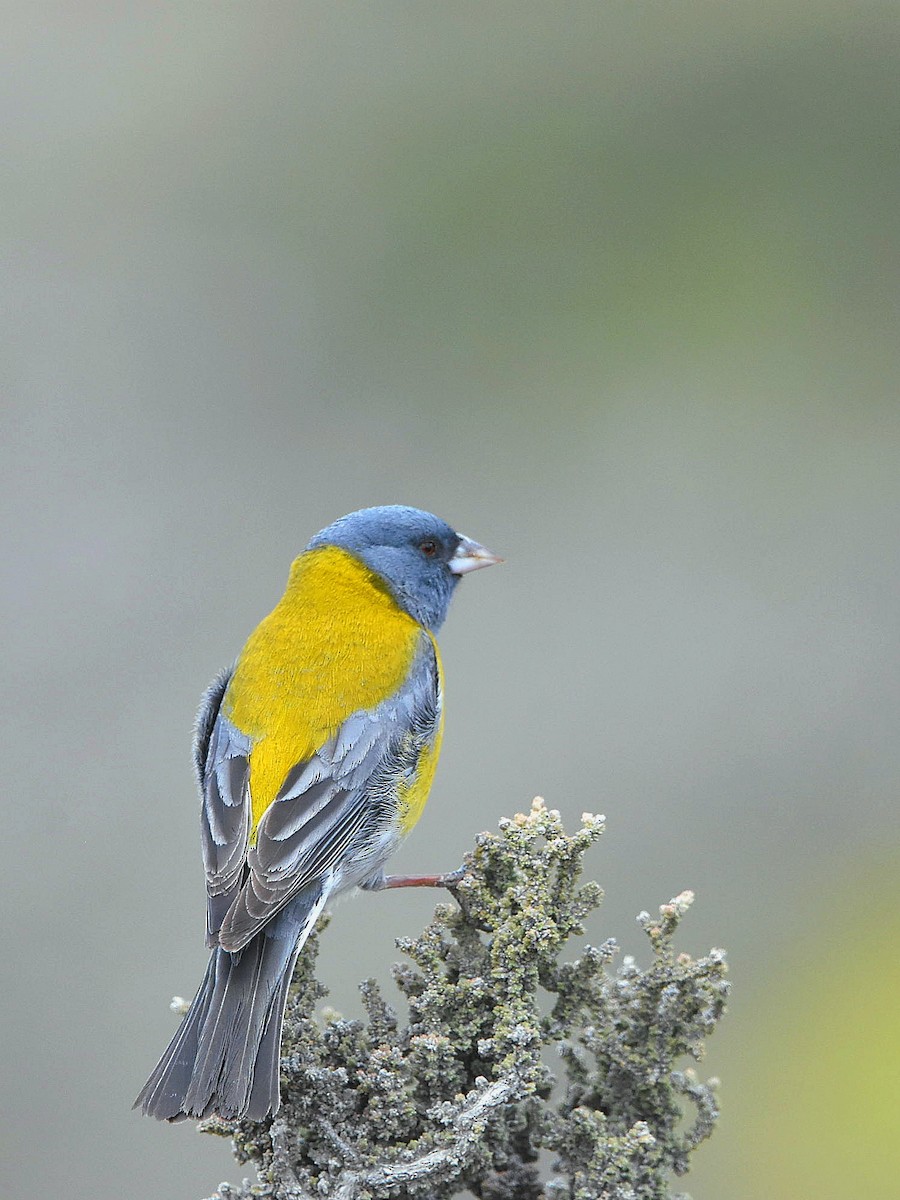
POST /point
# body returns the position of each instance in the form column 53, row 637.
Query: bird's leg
column 448, row 880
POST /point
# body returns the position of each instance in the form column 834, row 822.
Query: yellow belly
column 337, row 642
column 412, row 795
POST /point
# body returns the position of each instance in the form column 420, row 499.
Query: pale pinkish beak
column 470, row 556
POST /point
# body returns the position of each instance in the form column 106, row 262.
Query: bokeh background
column 612, row 287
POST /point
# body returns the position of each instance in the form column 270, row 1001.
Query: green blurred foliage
column 814, row 1064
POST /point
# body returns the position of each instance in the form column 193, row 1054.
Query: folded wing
column 333, row 817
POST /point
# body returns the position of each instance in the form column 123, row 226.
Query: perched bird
column 314, row 755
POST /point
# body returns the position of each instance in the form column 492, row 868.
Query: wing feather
column 222, row 756
column 334, row 811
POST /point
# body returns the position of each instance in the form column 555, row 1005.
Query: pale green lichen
column 460, row 1099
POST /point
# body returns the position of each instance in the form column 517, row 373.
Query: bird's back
column 336, row 643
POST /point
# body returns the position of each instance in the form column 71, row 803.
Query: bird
column 314, row 756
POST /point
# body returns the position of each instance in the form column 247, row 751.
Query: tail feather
column 162, row 1096
column 225, row 1056
column 268, row 1056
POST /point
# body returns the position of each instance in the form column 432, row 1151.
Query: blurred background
column 611, row 287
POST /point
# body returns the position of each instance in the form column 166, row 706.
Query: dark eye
column 429, row 549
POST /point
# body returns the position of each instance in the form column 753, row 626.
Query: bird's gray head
column 418, row 555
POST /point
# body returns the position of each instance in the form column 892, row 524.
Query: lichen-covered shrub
column 460, row 1098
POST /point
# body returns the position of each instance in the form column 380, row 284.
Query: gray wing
column 331, row 815
column 222, row 762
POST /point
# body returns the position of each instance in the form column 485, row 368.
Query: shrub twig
column 460, row 1097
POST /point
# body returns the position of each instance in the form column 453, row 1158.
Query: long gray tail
column 225, row 1057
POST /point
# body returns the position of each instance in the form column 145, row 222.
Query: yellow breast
column 337, row 642
column 413, row 794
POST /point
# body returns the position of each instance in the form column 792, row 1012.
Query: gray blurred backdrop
column 613, row 288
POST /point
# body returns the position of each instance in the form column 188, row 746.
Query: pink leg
column 449, row 880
